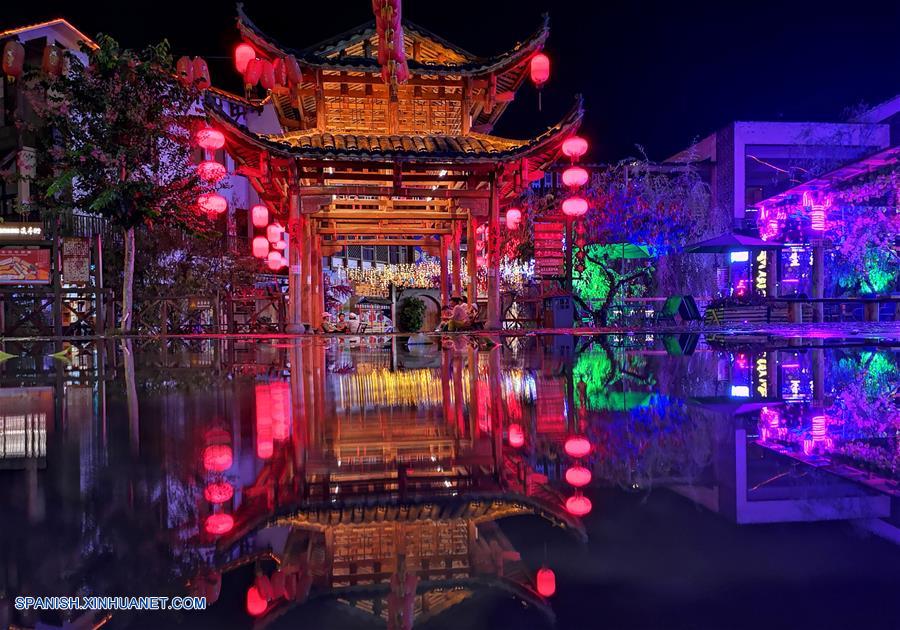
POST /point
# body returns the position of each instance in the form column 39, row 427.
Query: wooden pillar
column 445, row 278
column 306, row 274
column 471, row 260
column 316, row 268
column 296, row 242
column 457, row 259
column 818, row 281
column 493, row 258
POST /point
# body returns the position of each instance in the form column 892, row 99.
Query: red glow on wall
column 578, row 476
column 218, row 524
column 260, row 216
column 546, row 582
column 574, row 147
column 211, row 171
column 575, row 177
column 256, row 604
column 210, row 139
column 540, row 69
column 217, row 457
column 218, row 492
column 243, row 53
column 264, row 432
column 516, row 436
column 577, row 446
column 575, row 206
column 578, row 505
column 213, row 203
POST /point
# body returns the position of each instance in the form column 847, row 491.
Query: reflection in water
column 384, row 477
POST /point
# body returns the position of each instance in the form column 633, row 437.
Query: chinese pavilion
column 380, row 151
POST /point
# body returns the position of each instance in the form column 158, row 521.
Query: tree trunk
column 128, row 281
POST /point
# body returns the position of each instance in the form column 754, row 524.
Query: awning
column 730, row 242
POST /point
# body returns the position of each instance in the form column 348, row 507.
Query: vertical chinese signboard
column 24, row 266
column 76, row 261
column 549, row 254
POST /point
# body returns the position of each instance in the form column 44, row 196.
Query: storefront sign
column 76, row 260
column 21, row 231
column 24, row 266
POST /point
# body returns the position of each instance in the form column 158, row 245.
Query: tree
column 867, row 255
column 411, row 315
column 116, row 141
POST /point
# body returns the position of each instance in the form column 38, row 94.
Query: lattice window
column 356, row 114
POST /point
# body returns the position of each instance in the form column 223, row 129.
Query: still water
column 633, row 481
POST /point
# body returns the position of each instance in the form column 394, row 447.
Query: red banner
column 24, row 266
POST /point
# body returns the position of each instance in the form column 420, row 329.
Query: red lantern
column 211, row 171
column 256, row 604
column 243, row 53
column 279, row 71
column 274, row 232
column 210, row 139
column 274, row 261
column 13, row 59
column 279, row 245
column 578, row 476
column 267, row 75
column 578, row 505
column 213, row 203
column 516, row 436
column 577, row 446
column 513, row 216
column 184, row 69
column 575, row 206
column 540, row 69
column 217, row 457
column 260, row 247
column 546, row 582
column 51, row 63
column 574, row 147
column 218, row 492
column 260, row 216
column 201, row 73
column 252, row 73
column 218, row 524
column 292, row 70
column 575, row 177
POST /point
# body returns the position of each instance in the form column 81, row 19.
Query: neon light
column 740, row 391
column 739, row 256
column 762, row 280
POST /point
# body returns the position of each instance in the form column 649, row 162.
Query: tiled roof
column 471, row 148
column 474, row 67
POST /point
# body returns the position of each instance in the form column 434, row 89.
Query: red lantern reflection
column 578, row 476
column 546, row 582
column 577, row 446
column 274, row 232
column 218, row 524
column 218, row 492
column 217, row 457
column 513, row 216
column 274, row 261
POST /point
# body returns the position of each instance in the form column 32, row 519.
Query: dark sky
column 657, row 74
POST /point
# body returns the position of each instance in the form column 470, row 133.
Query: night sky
column 658, row 74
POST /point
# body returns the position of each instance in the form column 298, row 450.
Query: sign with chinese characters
column 21, row 231
column 76, row 261
column 549, row 255
column 24, row 266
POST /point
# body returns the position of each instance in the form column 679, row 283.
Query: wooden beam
column 380, row 191
column 377, row 216
column 355, row 230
